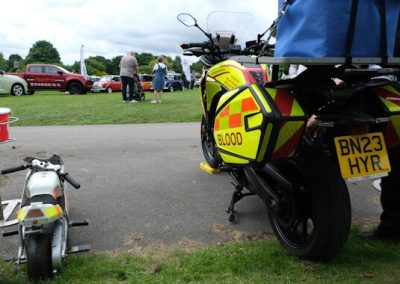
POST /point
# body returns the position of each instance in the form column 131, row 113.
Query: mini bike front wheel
column 38, row 257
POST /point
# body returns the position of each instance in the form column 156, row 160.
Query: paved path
column 141, row 185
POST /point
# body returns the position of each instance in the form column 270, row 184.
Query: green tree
column 95, row 66
column 14, row 62
column 76, row 66
column 197, row 67
column 3, row 62
column 43, row 52
column 113, row 65
column 99, row 59
column 99, row 65
column 177, row 64
column 144, row 58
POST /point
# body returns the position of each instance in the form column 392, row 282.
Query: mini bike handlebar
column 13, row 169
column 71, row 180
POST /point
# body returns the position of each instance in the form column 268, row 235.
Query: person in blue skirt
column 159, row 71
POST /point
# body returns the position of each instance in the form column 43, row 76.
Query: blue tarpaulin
column 319, row 28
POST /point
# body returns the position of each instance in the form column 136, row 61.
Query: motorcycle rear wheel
column 210, row 150
column 323, row 213
column 38, row 255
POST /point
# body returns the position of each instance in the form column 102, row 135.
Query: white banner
column 83, row 66
column 186, row 68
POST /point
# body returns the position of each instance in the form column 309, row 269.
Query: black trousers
column 390, row 197
column 127, row 83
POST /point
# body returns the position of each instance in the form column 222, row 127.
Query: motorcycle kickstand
column 237, row 195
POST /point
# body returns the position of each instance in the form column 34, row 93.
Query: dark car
column 174, row 82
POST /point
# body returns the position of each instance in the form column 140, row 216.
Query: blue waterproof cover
column 319, row 28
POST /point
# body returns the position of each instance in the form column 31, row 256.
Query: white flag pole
column 186, row 68
column 83, row 66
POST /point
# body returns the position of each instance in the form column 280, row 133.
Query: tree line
column 43, row 51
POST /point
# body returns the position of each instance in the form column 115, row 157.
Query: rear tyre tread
column 38, row 254
column 327, row 205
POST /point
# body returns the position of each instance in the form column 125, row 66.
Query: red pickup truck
column 52, row 77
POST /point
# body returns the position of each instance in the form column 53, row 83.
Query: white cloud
column 111, row 28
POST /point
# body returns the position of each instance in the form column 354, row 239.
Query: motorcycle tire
column 38, row 257
column 322, row 218
column 210, row 150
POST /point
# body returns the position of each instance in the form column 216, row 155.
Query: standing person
column 389, row 227
column 159, row 71
column 192, row 79
column 128, row 68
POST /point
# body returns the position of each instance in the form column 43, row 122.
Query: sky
column 111, row 28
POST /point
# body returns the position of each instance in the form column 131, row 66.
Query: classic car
column 108, row 83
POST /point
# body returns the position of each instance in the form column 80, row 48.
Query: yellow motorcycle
column 293, row 142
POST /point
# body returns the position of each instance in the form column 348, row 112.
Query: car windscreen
column 147, row 78
column 105, row 78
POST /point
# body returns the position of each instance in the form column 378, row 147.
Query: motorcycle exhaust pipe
column 266, row 182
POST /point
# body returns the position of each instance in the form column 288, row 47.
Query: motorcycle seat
column 44, row 198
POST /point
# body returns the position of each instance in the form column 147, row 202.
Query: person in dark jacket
column 389, row 227
column 128, row 68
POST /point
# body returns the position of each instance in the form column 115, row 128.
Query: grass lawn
column 57, row 108
column 263, row 261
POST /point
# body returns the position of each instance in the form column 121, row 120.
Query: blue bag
column 320, row 28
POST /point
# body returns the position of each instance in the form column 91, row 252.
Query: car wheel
column 17, row 90
column 30, row 92
column 171, row 89
column 109, row 90
column 75, row 88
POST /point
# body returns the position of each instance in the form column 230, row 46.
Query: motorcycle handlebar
column 13, row 169
column 71, row 181
column 203, row 48
column 195, row 44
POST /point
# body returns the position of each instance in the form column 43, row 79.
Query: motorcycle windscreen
column 243, row 125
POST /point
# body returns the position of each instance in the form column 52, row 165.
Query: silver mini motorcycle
column 43, row 217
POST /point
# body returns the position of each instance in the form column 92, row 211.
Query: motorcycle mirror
column 187, row 19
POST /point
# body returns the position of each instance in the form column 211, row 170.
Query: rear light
column 34, row 213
